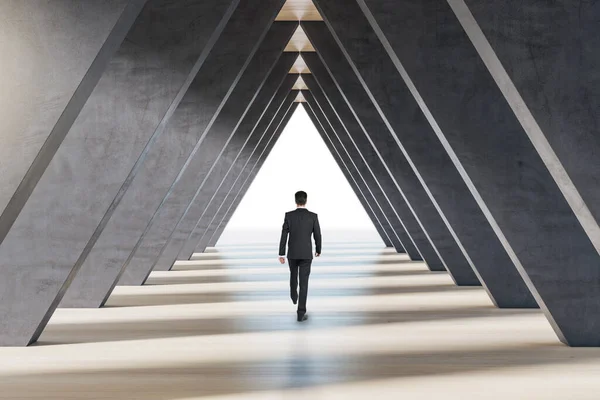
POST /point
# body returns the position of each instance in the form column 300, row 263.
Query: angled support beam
column 207, row 225
column 221, row 176
column 346, row 127
column 418, row 213
column 348, row 175
column 43, row 94
column 256, row 161
column 210, row 203
column 424, row 228
column 198, row 166
column 428, row 176
column 548, row 73
column 162, row 157
column 89, row 173
column 501, row 167
column 351, row 156
column 166, row 154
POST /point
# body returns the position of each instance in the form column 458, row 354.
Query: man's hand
column 317, row 254
column 282, row 260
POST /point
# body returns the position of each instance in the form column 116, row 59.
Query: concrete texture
column 547, row 69
column 423, row 221
column 200, row 108
column 232, row 166
column 278, row 124
column 504, row 172
column 351, row 180
column 98, row 158
column 228, row 124
column 415, row 239
column 214, row 177
column 434, row 182
column 255, row 163
column 223, row 328
column 367, row 182
column 491, row 104
column 426, row 242
column 165, row 157
column 53, row 54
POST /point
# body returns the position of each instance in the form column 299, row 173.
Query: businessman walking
column 300, row 225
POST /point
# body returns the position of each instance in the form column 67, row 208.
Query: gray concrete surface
column 96, row 160
column 548, row 72
column 416, row 210
column 275, row 127
column 347, row 174
column 351, row 156
column 234, row 166
column 165, row 157
column 199, row 111
column 503, row 170
column 53, row 54
column 232, row 122
column 430, row 173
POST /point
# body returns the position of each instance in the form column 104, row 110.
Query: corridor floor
column 222, row 327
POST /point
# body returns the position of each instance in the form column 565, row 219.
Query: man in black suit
column 300, row 225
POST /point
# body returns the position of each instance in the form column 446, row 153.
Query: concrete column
column 547, row 70
column 501, row 167
column 78, row 192
column 364, row 179
column 42, row 93
column 220, row 204
column 434, row 178
column 351, row 180
column 351, row 156
column 202, row 196
column 200, row 163
column 210, row 203
column 166, row 158
column 213, row 183
column 425, row 231
column 341, row 120
column 256, row 161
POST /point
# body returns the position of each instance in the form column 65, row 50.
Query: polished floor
column 222, row 327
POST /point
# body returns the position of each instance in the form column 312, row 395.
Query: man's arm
column 317, row 235
column 285, row 229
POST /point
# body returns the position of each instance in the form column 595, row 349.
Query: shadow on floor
column 245, row 263
column 270, row 254
column 169, row 328
column 226, row 296
column 290, row 371
column 279, row 276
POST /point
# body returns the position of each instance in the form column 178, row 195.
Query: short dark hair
column 300, row 198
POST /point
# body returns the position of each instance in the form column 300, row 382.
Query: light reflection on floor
column 222, row 327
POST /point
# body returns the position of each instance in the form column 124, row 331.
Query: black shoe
column 295, row 301
column 302, row 317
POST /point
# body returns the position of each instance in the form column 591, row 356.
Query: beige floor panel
column 380, row 327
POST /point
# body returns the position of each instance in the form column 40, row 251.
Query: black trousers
column 302, row 268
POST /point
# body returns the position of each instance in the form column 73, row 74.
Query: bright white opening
column 300, row 160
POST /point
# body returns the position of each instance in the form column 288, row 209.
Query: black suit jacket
column 300, row 225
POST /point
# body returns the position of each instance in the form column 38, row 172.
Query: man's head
column 300, row 198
